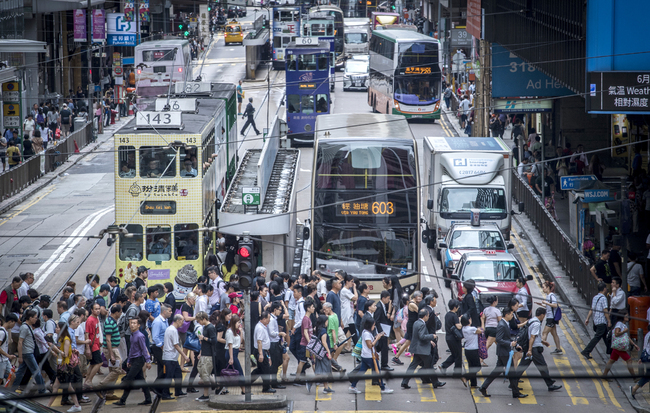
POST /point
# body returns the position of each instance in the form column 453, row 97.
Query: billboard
column 120, row 31
column 618, row 92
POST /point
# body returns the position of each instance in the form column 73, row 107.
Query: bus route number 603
column 383, row 208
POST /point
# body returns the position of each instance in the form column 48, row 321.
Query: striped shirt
column 598, row 307
column 110, row 328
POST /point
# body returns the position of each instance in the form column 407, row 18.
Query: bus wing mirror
column 430, row 204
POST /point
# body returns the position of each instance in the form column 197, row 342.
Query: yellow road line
column 444, row 126
column 29, row 205
column 478, row 398
column 373, row 393
column 322, row 397
column 528, row 389
column 528, row 259
column 426, row 392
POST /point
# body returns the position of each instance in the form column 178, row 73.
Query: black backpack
column 523, row 340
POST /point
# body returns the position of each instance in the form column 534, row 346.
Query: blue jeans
column 29, row 362
column 448, row 102
column 366, row 363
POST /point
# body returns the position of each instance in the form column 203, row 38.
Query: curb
column 635, row 404
column 45, row 180
column 266, row 78
column 258, row 402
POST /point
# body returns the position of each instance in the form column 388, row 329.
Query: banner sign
column 129, row 11
column 144, row 11
column 99, row 26
column 80, row 34
column 120, row 31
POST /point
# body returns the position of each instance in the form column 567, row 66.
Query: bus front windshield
column 416, row 90
column 365, row 251
column 356, row 38
column 489, row 200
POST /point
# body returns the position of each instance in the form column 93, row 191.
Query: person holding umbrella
column 505, row 351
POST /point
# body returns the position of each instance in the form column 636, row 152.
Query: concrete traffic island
column 258, row 402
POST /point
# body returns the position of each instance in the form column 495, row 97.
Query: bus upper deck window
column 157, row 161
column 126, row 156
column 189, row 167
column 307, row 62
column 322, row 62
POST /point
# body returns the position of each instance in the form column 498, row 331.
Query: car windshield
column 356, row 38
column 480, row 270
column 476, row 240
column 356, row 66
column 463, row 199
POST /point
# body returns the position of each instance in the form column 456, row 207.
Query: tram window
column 157, row 161
column 277, row 41
column 307, row 62
column 291, row 62
column 322, row 61
column 126, row 160
column 186, row 241
column 307, row 104
column 158, row 245
column 131, row 247
column 321, row 103
column 189, row 167
column 293, row 103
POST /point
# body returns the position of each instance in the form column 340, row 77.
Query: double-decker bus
column 404, row 74
column 286, row 27
column 171, row 171
column 365, row 199
column 323, row 30
column 308, row 73
column 339, row 29
column 160, row 62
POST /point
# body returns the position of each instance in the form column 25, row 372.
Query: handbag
column 482, row 347
column 229, row 373
column 316, row 348
column 356, row 351
column 621, row 343
column 645, row 356
column 456, row 333
column 192, row 342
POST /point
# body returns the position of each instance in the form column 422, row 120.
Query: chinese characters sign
column 80, row 25
column 618, row 92
column 365, row 209
column 99, row 24
column 417, row 70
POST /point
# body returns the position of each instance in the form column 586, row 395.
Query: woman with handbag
column 552, row 306
column 67, row 360
column 323, row 366
column 233, row 345
column 187, row 311
column 621, row 343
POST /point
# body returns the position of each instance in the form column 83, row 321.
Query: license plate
column 416, row 116
column 358, row 84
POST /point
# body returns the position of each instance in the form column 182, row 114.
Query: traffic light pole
column 248, row 336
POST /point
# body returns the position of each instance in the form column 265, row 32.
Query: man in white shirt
column 171, row 351
column 202, row 300
column 219, row 286
column 464, row 106
column 617, row 300
column 28, row 280
column 262, row 344
column 321, row 289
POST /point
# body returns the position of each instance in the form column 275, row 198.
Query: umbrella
column 512, row 352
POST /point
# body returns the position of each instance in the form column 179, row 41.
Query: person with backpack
column 529, row 339
column 553, row 315
column 130, row 313
column 447, row 96
column 601, row 319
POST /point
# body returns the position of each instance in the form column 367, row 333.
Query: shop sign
column 523, row 105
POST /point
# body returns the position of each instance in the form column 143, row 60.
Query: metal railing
column 571, row 258
column 20, row 177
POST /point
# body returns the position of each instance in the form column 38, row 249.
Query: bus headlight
column 437, row 106
column 396, row 104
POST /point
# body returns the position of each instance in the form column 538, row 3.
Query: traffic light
column 245, row 250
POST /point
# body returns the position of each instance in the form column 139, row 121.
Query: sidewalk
column 49, row 177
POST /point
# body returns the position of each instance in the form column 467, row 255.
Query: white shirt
column 22, row 290
column 218, row 285
column 535, row 328
column 80, row 334
column 288, row 296
column 4, row 337
column 88, row 292
column 300, row 313
column 171, row 339
column 366, row 352
column 235, row 340
column 346, row 307
column 202, row 304
column 550, row 310
column 634, row 274
column 262, row 334
column 471, row 338
column 464, row 105
column 274, row 332
column 321, row 289
column 617, row 300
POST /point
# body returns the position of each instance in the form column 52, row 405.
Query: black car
column 21, row 406
column 236, row 11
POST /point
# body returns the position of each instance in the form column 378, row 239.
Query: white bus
column 157, row 63
column 405, row 74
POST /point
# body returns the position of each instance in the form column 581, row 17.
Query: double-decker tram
column 322, row 29
column 318, row 12
column 171, row 172
column 365, row 199
column 405, row 76
column 308, row 72
column 286, row 27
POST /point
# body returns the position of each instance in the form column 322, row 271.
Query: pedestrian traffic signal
column 245, row 251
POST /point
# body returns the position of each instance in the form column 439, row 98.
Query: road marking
column 444, row 125
column 29, row 205
column 426, row 274
column 373, row 393
column 601, row 395
column 426, row 392
column 68, row 245
column 527, row 388
column 322, row 397
column 478, row 397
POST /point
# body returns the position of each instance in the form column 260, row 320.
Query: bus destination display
column 158, row 208
column 368, row 209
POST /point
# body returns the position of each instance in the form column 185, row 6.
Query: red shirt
column 234, row 309
column 92, row 328
column 3, row 297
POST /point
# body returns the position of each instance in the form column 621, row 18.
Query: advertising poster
column 80, row 25
column 128, row 12
column 144, row 11
column 620, row 136
column 99, row 26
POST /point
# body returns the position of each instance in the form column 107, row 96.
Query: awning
column 523, row 105
column 8, row 74
column 22, row 46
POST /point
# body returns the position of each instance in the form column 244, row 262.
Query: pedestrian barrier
column 571, row 258
column 20, row 177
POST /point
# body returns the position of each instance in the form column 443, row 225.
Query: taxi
column 234, row 32
column 495, row 274
column 465, row 237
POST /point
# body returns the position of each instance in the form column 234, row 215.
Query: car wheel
column 448, row 284
column 438, row 256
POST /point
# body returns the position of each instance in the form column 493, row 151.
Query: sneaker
column 632, row 393
column 407, row 354
column 556, row 351
column 74, row 409
column 328, row 390
column 395, row 360
column 203, row 399
column 395, row 349
column 353, row 390
column 387, row 391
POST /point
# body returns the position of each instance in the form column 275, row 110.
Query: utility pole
column 89, row 54
column 248, row 336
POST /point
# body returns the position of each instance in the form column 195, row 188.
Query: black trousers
column 172, row 371
column 422, row 360
column 601, row 332
column 473, row 364
column 263, row 369
column 249, row 121
column 77, row 384
column 456, row 356
column 383, row 350
column 540, row 363
column 276, row 360
column 500, row 369
column 135, row 374
column 156, row 353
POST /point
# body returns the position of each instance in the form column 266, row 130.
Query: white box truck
column 465, row 173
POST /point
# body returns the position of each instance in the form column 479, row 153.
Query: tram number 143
column 159, row 119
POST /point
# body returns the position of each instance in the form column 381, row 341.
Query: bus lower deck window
column 158, row 243
column 186, row 241
column 131, row 247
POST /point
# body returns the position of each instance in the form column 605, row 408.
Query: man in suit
column 420, row 348
column 503, row 353
column 433, row 325
column 381, row 318
column 248, row 115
